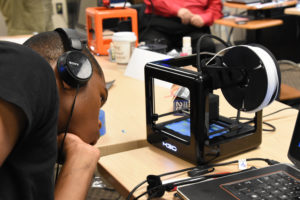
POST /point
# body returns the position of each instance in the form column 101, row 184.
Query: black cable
column 134, row 189
column 278, row 111
column 273, row 128
column 65, row 134
column 198, row 47
column 161, row 175
column 169, row 186
column 231, row 30
column 268, row 161
column 176, row 172
column 229, row 35
column 125, row 4
column 172, row 185
column 250, row 120
column 144, row 193
column 119, row 197
column 108, row 189
column 238, row 116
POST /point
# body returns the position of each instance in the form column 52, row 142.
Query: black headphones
column 73, row 66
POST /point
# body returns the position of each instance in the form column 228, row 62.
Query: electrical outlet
column 59, row 8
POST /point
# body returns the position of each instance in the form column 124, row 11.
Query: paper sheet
column 137, row 62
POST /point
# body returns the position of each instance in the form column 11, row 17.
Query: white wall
column 60, row 20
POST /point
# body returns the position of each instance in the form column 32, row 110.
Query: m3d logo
column 169, row 146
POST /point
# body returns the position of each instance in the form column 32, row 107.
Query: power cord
column 198, row 47
column 277, row 111
column 250, row 120
column 297, row 65
column 231, row 29
column 125, row 4
column 161, row 175
column 157, row 189
column 60, row 153
column 171, row 186
column 273, row 128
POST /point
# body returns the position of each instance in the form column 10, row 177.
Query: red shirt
column 209, row 10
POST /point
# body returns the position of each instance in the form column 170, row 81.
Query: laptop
column 279, row 181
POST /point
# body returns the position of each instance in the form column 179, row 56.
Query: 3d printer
column 249, row 78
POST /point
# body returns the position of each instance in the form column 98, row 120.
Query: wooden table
column 292, row 11
column 125, row 128
column 125, row 110
column 256, row 24
column 251, row 25
column 127, row 169
column 288, row 93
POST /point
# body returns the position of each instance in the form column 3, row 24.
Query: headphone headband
column 73, row 66
column 70, row 38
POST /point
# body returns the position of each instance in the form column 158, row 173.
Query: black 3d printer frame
column 199, row 149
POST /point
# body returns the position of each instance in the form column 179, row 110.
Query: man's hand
column 196, row 20
column 185, row 15
column 78, row 168
column 74, row 146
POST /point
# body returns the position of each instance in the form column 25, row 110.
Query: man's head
column 91, row 96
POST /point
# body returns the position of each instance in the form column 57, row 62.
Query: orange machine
column 94, row 18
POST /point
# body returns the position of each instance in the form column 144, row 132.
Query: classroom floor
column 101, row 190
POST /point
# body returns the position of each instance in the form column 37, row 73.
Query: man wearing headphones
column 44, row 108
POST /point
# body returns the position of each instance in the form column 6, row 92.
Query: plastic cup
column 123, row 44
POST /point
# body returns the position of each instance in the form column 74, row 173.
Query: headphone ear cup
column 74, row 68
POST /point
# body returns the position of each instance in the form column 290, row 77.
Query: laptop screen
column 294, row 150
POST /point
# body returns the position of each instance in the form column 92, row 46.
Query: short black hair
column 50, row 45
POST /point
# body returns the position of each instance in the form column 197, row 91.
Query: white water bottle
column 186, row 45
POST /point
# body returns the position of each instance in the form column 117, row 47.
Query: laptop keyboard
column 277, row 185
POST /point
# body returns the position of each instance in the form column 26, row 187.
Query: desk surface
column 288, row 93
column 127, row 169
column 125, row 128
column 251, row 25
column 255, row 24
column 292, row 11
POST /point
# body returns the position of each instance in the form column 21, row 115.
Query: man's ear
column 59, row 80
column 66, row 86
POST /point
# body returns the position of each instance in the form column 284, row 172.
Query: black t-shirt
column 27, row 81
